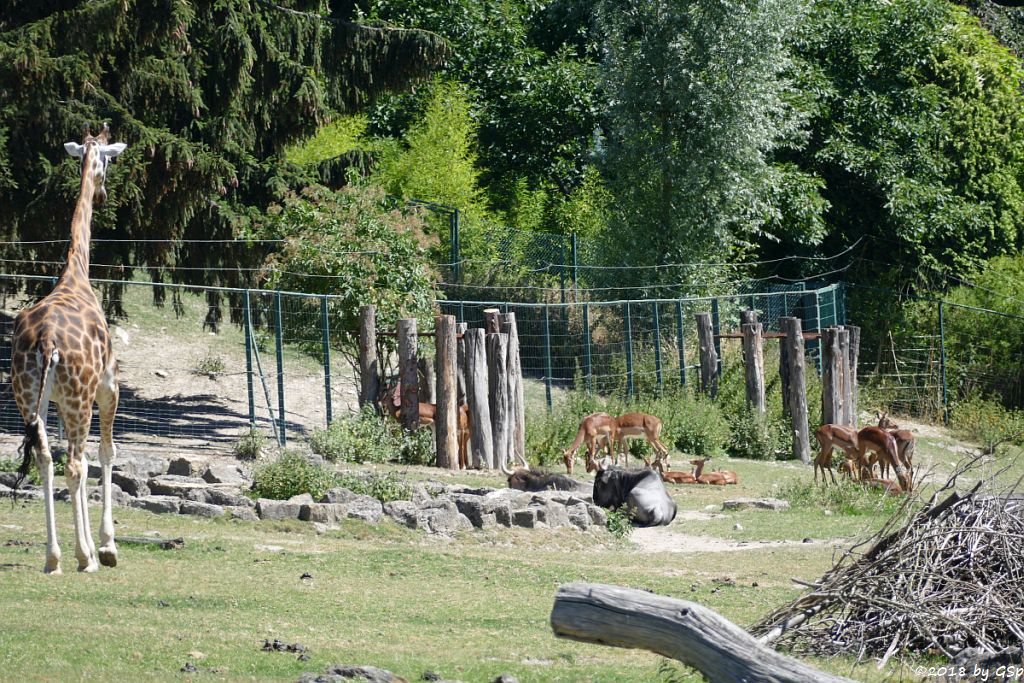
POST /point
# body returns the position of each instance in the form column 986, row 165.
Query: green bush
column 251, row 444
column 291, row 474
column 366, row 437
column 987, row 422
column 619, row 523
column 845, row 498
column 693, row 423
column 383, row 487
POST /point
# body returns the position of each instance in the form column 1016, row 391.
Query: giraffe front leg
column 106, row 400
column 76, row 487
column 44, row 461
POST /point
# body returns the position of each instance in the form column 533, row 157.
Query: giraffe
column 61, row 352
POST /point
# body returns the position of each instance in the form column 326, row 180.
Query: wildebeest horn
column 504, row 467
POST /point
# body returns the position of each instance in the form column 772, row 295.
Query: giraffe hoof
column 108, row 558
column 90, row 568
column 53, row 571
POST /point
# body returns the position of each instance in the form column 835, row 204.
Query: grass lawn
column 468, row 608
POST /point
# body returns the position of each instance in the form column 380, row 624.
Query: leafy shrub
column 366, row 437
column 987, row 422
column 210, row 364
column 754, row 437
column 619, row 523
column 845, row 498
column 251, row 445
column 291, row 474
column 384, row 487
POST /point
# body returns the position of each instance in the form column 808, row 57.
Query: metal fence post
column 629, row 350
column 681, row 343
column 278, row 347
column 588, row 369
column 248, row 358
column 547, row 355
column 716, row 326
column 326, row 327
column 942, row 362
column 657, row 347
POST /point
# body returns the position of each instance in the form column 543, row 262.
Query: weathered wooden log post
column 784, row 373
column 498, row 394
column 753, row 357
column 408, row 374
column 477, row 399
column 853, row 355
column 708, row 356
column 446, row 418
column 797, row 399
column 516, row 404
column 831, row 377
column 427, row 381
column 693, row 634
column 492, row 320
column 460, row 342
column 369, row 369
column 844, row 375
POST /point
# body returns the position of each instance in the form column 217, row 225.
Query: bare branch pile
column 941, row 579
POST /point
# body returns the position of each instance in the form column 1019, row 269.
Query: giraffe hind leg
column 106, row 401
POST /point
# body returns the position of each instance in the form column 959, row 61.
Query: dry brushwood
column 938, row 579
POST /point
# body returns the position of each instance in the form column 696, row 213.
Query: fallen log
column 695, row 635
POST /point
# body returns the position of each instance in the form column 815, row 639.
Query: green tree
column 207, row 94
column 698, row 100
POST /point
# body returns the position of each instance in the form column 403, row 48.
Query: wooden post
column 691, row 633
column 369, row 371
column 784, row 373
column 497, row 388
column 447, row 415
column 492, row 320
column 853, row 354
column 797, row 399
column 831, row 377
column 844, row 370
column 408, row 374
column 515, row 372
column 476, row 396
column 460, row 346
column 753, row 355
column 427, row 381
column 708, row 357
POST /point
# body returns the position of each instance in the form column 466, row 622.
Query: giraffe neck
column 77, row 267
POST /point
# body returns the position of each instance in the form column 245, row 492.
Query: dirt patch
column 661, row 540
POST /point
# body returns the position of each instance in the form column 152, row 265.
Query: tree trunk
column 369, row 371
column 427, row 381
column 515, row 371
column 446, row 418
column 753, row 356
column 708, row 357
column 853, row 356
column 691, row 633
column 408, row 374
column 492, row 320
column 797, row 399
column 476, row 397
column 497, row 387
column 831, row 377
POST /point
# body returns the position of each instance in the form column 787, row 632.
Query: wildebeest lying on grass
column 641, row 491
column 533, row 481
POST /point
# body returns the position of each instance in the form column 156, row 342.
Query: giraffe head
column 95, row 154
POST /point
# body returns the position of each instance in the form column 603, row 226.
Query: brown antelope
column 831, row 436
column 713, row 478
column 593, row 427
column 904, row 442
column 884, row 446
column 428, row 411
column 636, row 425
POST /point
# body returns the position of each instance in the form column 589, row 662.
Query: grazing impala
column 884, row 446
column 637, row 425
column 904, row 442
column 593, row 427
column 831, row 436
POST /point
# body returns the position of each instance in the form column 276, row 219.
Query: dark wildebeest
column 641, row 491
column 530, row 480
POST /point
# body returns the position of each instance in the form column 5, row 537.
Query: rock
column 526, row 518
column 228, row 496
column 470, row 490
column 443, row 517
column 157, row 504
column 117, row 496
column 324, row 513
column 579, row 516
column 191, row 507
column 9, row 479
column 737, row 527
column 131, row 484
column 337, row 495
column 176, row 485
column 505, row 678
column 481, row 510
column 404, row 512
column 162, row 374
column 144, row 466
column 756, row 503
column 347, row 674
column 315, row 459
column 554, row 515
column 598, row 516
column 25, row 492
column 267, row 508
column 366, row 508
column 183, row 467
column 302, row 499
column 246, row 514
column 225, row 474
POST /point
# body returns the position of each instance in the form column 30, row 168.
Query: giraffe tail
column 36, row 423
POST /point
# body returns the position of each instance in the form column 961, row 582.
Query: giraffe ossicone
column 62, row 353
